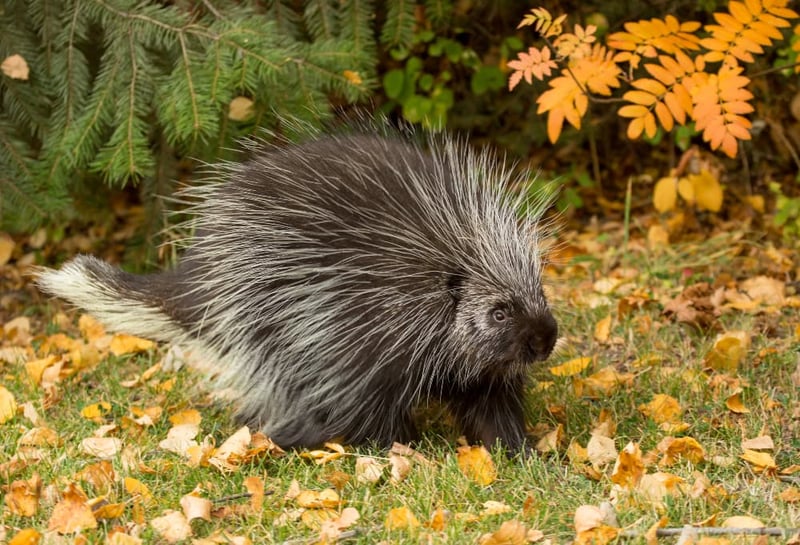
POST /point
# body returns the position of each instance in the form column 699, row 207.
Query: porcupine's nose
column 542, row 337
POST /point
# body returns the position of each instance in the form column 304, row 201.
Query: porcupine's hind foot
column 121, row 301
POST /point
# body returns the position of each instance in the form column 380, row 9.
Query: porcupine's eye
column 499, row 315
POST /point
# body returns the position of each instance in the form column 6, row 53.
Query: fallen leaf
column 400, row 518
column 120, row 538
column 741, row 521
column 28, row 536
column 229, row 455
column 122, row 344
column 8, row 405
column 330, row 529
column 492, row 507
column 188, row 416
column 6, row 248
column 101, row 447
column 195, row 507
column 72, row 513
column 255, row 486
column 312, row 499
column 322, row 457
column 439, row 520
column 571, row 367
column 587, row 517
column 172, row 526
column 602, row 383
column 662, row 408
column 728, row 351
column 40, row 436
column 109, row 511
column 22, row 497
column 401, row 467
column 760, row 460
column 511, row 532
column 96, row 411
column 629, row 467
column 15, row 67
column 368, row 470
column 600, row 450
column 476, row 464
column 735, row 404
column 790, row 495
column 762, row 442
column 551, row 440
column 654, row 487
column 180, row 438
column 137, row 488
column 602, row 330
column 673, row 448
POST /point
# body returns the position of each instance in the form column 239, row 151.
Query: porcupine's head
column 502, row 322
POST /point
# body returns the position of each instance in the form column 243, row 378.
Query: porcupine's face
column 502, row 333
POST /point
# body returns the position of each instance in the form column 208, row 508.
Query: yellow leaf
column 187, row 416
column 400, row 518
column 476, row 464
column 438, row 520
column 728, row 351
column 122, row 343
column 96, row 411
column 657, row 237
column 602, row 329
column 72, row 513
column 629, row 467
column 707, row 191
column 662, row 408
column 602, row 383
column 761, row 460
column 6, row 248
column 735, row 404
column 571, row 367
column 680, row 447
column 665, row 194
column 312, row 499
column 686, row 190
column 511, row 532
column 741, row 521
column 8, row 405
column 135, row 487
column 28, row 536
column 172, row 526
column 597, row 536
column 109, row 511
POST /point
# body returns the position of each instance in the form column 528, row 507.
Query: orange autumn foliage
column 675, row 72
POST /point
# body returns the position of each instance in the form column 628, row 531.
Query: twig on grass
column 690, row 531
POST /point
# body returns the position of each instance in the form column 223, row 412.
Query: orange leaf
column 476, row 464
column 72, row 513
column 400, row 518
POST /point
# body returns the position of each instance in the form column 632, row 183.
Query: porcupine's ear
column 455, row 282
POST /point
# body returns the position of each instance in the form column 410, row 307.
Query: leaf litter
column 657, row 359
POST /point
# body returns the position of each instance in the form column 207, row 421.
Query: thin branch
column 715, row 531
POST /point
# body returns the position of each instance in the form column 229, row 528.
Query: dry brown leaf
column 400, row 518
column 765, row 290
column 741, row 521
column 317, row 518
column 255, row 486
column 229, row 455
column 728, row 351
column 762, row 442
column 476, row 464
column 551, row 440
column 195, row 507
column 100, row 475
column 22, row 497
column 492, row 507
column 101, row 447
column 15, row 67
column 8, row 405
column 72, row 513
column 40, row 436
column 600, row 450
column 172, row 526
column 400, row 467
column 35, row 368
column 511, row 532
column 571, row 367
column 587, row 517
column 18, row 331
column 368, row 470
column 329, row 530
column 180, row 438
column 657, row 237
column 654, row 487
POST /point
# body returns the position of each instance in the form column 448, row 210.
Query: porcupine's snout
column 541, row 338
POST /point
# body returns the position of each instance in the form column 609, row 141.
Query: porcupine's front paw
column 493, row 417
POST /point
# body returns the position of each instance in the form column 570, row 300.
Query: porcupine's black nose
column 542, row 336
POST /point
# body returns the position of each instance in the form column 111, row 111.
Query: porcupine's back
column 322, row 279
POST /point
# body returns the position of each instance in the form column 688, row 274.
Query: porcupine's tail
column 121, row 301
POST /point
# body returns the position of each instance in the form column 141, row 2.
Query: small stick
column 225, row 499
column 712, row 531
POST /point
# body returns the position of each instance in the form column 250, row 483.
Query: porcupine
column 339, row 283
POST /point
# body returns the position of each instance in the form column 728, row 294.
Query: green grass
column 555, row 487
